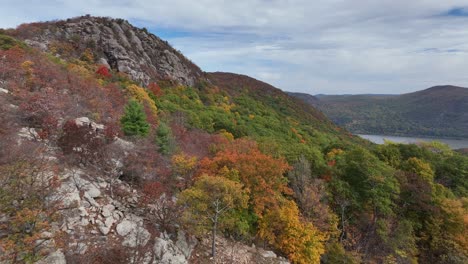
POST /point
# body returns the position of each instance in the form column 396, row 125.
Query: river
column 453, row 143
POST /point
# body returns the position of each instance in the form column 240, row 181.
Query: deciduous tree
column 211, row 204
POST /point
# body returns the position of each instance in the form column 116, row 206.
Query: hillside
column 114, row 42
column 307, row 98
column 113, row 154
column 440, row 111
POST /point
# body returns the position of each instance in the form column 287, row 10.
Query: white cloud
column 332, row 46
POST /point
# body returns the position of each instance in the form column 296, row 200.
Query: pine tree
column 164, row 139
column 134, row 120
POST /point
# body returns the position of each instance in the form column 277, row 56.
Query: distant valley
column 439, row 111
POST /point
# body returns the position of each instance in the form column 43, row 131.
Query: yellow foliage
column 87, row 56
column 456, row 221
column 183, row 164
column 28, row 68
column 421, row 168
column 27, row 65
column 226, row 135
column 80, row 70
column 283, row 228
column 226, row 107
column 333, row 153
column 180, row 89
column 140, row 94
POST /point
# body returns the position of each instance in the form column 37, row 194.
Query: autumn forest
column 225, row 158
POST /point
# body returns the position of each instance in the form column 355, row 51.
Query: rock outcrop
column 118, row 45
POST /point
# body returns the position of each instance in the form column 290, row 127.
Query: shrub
column 7, row 42
column 103, row 71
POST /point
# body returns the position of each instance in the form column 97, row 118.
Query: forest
column 227, row 157
column 434, row 112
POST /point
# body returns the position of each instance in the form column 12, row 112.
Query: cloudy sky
column 319, row 46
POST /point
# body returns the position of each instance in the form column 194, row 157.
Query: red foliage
column 42, row 109
column 82, row 141
column 152, row 190
column 155, row 89
column 141, row 164
column 195, row 142
column 103, row 71
column 111, row 131
column 10, row 61
column 29, row 30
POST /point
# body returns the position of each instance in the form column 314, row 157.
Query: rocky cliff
column 116, row 43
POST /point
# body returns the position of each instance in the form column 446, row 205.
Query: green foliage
column 279, row 131
column 134, row 120
column 370, row 180
column 7, row 42
column 390, row 154
column 336, row 254
column 435, row 112
column 419, row 167
column 165, row 139
column 453, row 172
column 434, row 160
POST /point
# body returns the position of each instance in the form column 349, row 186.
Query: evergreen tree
column 164, row 139
column 134, row 120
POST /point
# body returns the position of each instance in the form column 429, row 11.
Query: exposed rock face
column 133, row 232
column 122, row 47
column 84, row 121
column 229, row 251
column 55, row 258
column 167, row 253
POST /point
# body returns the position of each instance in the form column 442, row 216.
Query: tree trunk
column 213, row 239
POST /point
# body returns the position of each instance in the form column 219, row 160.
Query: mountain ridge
column 438, row 111
column 116, row 43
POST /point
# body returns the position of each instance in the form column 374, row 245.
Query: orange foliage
column 295, row 132
column 260, row 173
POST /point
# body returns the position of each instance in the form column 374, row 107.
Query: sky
column 311, row 46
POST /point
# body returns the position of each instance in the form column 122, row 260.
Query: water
column 453, row 143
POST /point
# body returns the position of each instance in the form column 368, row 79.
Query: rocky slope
column 97, row 216
column 125, row 48
column 91, row 214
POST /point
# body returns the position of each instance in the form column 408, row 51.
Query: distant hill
column 439, row 111
column 310, row 99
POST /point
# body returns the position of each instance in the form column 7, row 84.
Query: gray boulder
column 56, row 257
